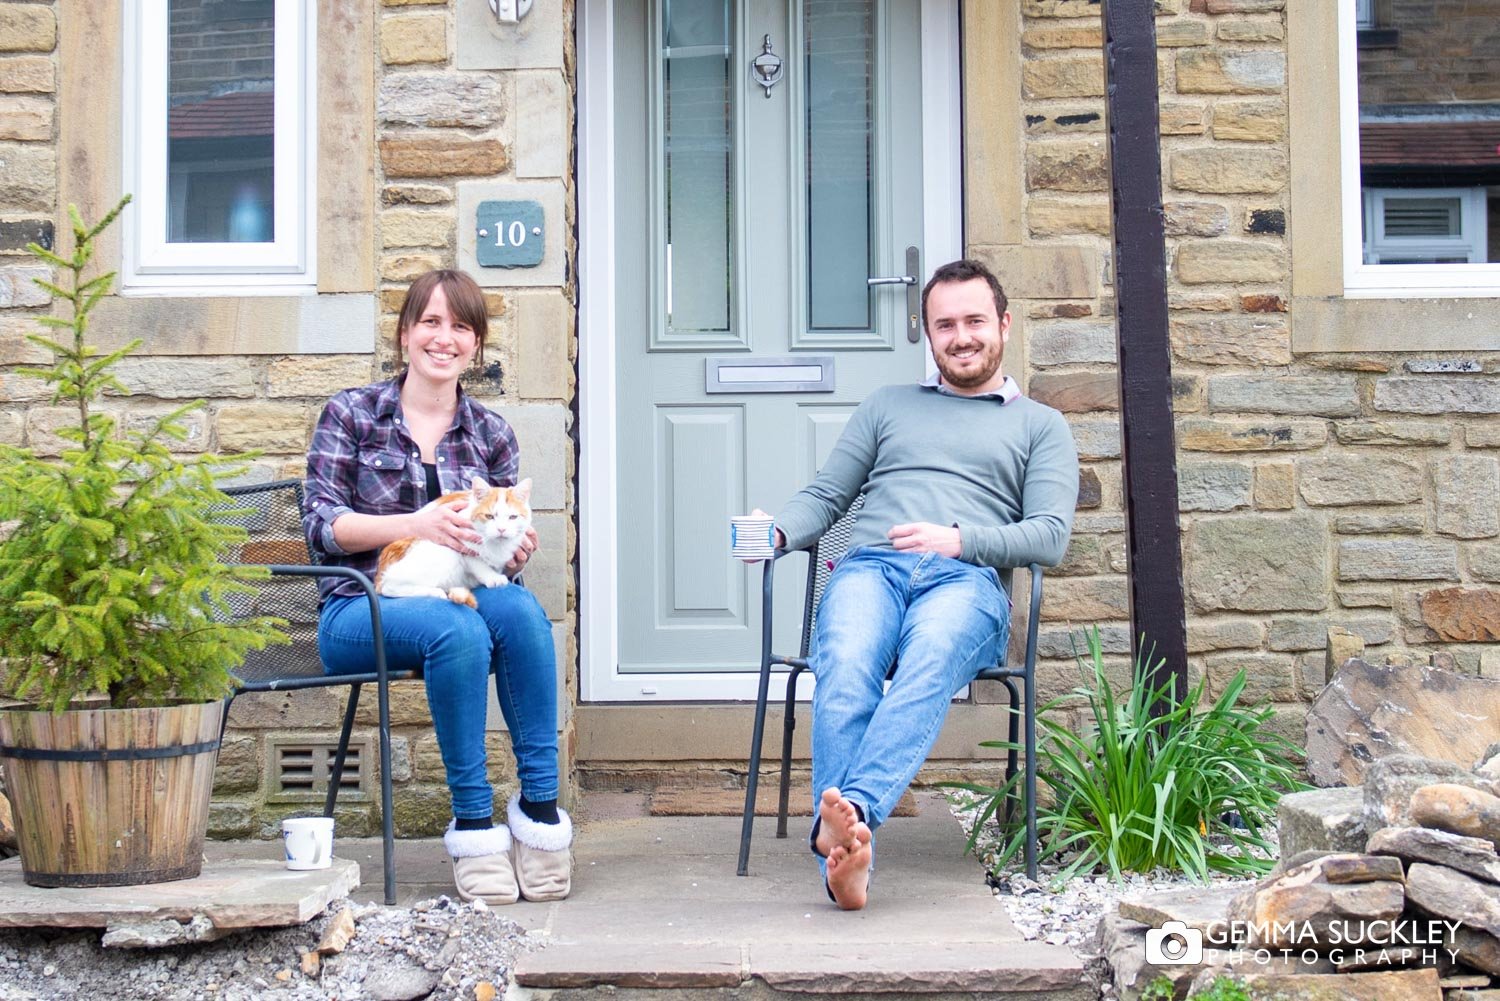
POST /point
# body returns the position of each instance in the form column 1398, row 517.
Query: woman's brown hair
column 465, row 302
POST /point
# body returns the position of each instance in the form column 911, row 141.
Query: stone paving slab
column 656, row 902
column 230, row 894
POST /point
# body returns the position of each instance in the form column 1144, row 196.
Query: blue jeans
column 457, row 648
column 942, row 620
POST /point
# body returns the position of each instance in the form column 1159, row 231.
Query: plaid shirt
column 363, row 459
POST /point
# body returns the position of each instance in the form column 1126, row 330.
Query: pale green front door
column 748, row 223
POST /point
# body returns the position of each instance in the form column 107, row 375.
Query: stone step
column 849, row 967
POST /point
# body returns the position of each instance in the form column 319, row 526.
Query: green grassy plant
column 112, row 577
column 1222, row 988
column 1150, row 781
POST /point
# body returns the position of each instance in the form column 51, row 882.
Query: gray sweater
column 1005, row 475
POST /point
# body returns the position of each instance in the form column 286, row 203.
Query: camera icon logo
column 1174, row 944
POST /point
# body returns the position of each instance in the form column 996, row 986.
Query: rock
column 1343, row 646
column 400, row 983
column 1360, row 480
column 310, row 963
column 1472, row 856
column 337, row 935
column 1488, row 765
column 1445, row 893
column 1200, row 907
column 1390, row 783
column 1458, row 809
column 1322, row 820
column 155, row 934
column 1462, row 614
column 484, row 991
column 1373, row 711
column 1281, row 910
column 1345, row 868
column 1392, row 985
column 1475, row 948
column 1258, row 564
column 1122, row 943
column 1465, row 487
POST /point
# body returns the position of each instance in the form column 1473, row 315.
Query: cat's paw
column 497, row 580
column 462, row 596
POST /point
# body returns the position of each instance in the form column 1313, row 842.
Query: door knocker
column 766, row 69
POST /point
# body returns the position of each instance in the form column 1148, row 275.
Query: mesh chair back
column 825, row 554
column 272, row 515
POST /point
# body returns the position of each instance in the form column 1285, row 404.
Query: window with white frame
column 219, row 141
column 1421, row 151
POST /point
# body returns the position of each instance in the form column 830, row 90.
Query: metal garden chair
column 272, row 514
column 822, row 555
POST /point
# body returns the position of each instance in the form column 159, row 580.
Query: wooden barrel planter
column 111, row 797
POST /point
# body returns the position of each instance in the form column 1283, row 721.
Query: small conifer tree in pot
column 116, row 638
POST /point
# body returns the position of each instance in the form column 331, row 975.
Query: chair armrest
column 362, row 581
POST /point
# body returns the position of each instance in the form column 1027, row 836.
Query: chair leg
column 789, row 724
column 336, row 777
column 387, row 818
column 752, row 777
column 1013, row 732
column 1031, row 846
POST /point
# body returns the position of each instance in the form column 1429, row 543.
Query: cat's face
column 501, row 512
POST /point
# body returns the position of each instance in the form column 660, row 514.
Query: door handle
column 913, row 293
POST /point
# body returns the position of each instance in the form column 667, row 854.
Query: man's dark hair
column 962, row 271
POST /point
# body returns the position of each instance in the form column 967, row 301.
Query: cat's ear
column 522, row 491
column 478, row 487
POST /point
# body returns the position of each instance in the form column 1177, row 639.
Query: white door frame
column 599, row 554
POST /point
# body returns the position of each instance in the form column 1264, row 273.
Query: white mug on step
column 308, row 842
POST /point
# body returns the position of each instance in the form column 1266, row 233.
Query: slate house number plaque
column 509, row 234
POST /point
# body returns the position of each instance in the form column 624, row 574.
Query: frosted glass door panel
column 839, row 117
column 697, row 159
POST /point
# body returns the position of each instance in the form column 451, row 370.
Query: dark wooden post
column 1145, row 355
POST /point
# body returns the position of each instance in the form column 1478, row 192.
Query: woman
column 379, row 454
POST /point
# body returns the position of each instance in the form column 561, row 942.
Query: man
column 963, row 477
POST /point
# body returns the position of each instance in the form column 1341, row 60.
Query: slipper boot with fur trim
column 482, row 868
column 543, row 853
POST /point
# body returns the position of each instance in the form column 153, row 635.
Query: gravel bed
column 1068, row 913
column 440, row 949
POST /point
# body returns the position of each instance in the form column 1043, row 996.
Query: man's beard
column 990, row 364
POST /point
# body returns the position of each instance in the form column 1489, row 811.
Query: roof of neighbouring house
column 1437, row 144
column 244, row 113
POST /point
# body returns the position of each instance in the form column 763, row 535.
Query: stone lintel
column 249, row 325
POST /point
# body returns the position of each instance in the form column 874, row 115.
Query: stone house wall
column 1316, row 489
column 1319, row 488
column 1445, row 50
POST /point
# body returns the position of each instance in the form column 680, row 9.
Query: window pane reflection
column 1429, row 131
column 220, row 134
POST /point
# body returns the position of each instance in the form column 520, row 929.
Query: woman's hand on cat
column 523, row 553
column 444, row 525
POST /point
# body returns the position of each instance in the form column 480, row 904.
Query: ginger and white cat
column 411, row 567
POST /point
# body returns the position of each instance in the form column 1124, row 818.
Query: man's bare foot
column 836, row 820
column 849, row 871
